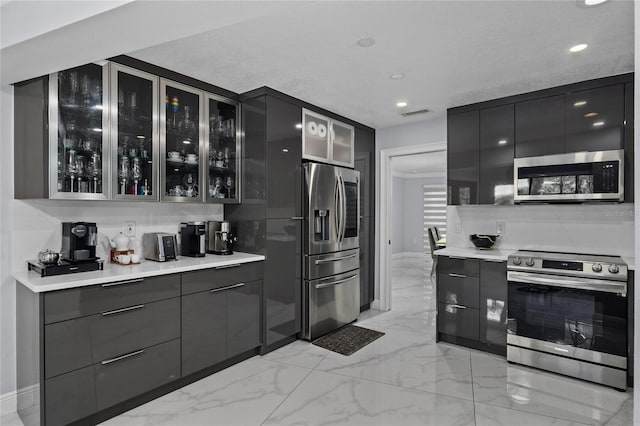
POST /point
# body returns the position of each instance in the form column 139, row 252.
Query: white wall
column 427, row 132
column 585, row 228
column 397, row 212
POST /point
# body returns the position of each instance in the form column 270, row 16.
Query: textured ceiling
column 452, row 52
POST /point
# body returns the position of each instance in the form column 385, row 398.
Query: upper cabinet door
column 134, row 133
column 327, row 140
column 462, row 158
column 496, row 155
column 78, row 117
column 315, row 136
column 540, row 127
column 595, row 119
column 181, row 133
column 222, row 150
column 342, row 140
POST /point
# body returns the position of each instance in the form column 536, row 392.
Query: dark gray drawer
column 70, row 397
column 207, row 279
column 88, row 340
column 458, row 321
column 137, row 372
column 459, row 289
column 458, row 265
column 77, row 302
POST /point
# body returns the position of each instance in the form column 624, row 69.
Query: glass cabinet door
column 341, row 137
column 134, row 132
column 78, row 114
column 180, row 135
column 222, row 150
column 315, row 136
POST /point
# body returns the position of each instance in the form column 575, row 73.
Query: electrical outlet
column 130, row 229
column 501, row 227
column 458, row 228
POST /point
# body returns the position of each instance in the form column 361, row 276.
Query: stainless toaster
column 160, row 246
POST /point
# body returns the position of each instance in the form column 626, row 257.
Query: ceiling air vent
column 417, row 112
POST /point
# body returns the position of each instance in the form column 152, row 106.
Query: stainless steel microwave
column 574, row 177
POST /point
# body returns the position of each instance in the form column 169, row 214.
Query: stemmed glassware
column 95, row 170
column 136, row 174
column 72, row 167
column 123, row 173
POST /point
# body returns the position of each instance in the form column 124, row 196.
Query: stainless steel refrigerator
column 331, row 284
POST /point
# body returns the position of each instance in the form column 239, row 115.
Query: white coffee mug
column 135, row 258
column 125, row 259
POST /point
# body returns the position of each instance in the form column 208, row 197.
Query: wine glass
column 72, row 166
column 123, row 172
column 81, row 170
column 136, row 173
column 95, row 170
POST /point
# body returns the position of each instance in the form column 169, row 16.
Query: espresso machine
column 79, row 241
column 192, row 239
column 219, row 239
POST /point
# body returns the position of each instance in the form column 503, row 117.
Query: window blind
column 434, row 211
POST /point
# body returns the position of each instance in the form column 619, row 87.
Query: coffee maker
column 79, row 241
column 192, row 239
column 219, row 237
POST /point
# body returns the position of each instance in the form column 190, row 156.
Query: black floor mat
column 348, row 339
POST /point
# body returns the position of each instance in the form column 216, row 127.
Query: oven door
column 579, row 318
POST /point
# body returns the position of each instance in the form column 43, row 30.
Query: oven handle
column 567, row 282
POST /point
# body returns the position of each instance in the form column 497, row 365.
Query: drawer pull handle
column 458, row 258
column 458, row 275
column 117, row 311
column 493, row 260
column 297, row 218
column 229, row 287
column 336, row 259
column 120, row 358
column 235, row 265
column 74, row 268
column 458, row 306
column 331, row 284
column 123, row 282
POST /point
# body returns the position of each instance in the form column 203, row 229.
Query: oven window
column 590, row 320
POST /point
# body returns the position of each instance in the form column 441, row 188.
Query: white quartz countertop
column 491, row 254
column 111, row 273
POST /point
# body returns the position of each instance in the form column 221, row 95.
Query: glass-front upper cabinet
column 134, row 133
column 223, row 149
column 180, row 135
column 78, row 134
column 327, row 140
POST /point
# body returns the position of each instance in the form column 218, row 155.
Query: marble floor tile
column 329, row 399
column 10, row 420
column 300, row 353
column 496, row 382
column 244, row 394
column 489, row 415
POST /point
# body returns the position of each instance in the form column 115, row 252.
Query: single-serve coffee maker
column 79, row 241
column 219, row 237
column 192, row 239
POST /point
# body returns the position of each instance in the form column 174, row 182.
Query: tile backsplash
column 576, row 228
column 37, row 223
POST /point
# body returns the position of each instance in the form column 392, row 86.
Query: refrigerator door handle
column 343, row 208
column 337, row 215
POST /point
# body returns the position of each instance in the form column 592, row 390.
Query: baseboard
column 409, row 254
column 24, row 397
column 8, row 403
column 375, row 304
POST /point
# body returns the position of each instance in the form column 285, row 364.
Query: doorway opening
column 405, row 174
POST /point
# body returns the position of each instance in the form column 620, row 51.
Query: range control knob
column 596, row 267
column 530, row 261
column 517, row 260
column 614, row 269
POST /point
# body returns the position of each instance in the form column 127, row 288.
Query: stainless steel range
column 567, row 313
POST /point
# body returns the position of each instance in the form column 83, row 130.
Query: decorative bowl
column 483, row 241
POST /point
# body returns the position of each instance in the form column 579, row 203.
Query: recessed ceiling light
column 593, row 2
column 366, row 42
column 598, row 124
column 401, row 104
column 578, row 48
column 591, row 114
column 502, row 142
column 580, row 103
column 186, row 142
column 397, row 76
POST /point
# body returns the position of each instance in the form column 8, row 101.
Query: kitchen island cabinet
column 97, row 347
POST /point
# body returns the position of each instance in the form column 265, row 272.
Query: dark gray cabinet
column 496, row 154
column 69, row 397
column 594, row 119
column 628, row 142
column 463, row 157
column 540, row 127
column 218, row 324
column 493, row 304
column 472, row 303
